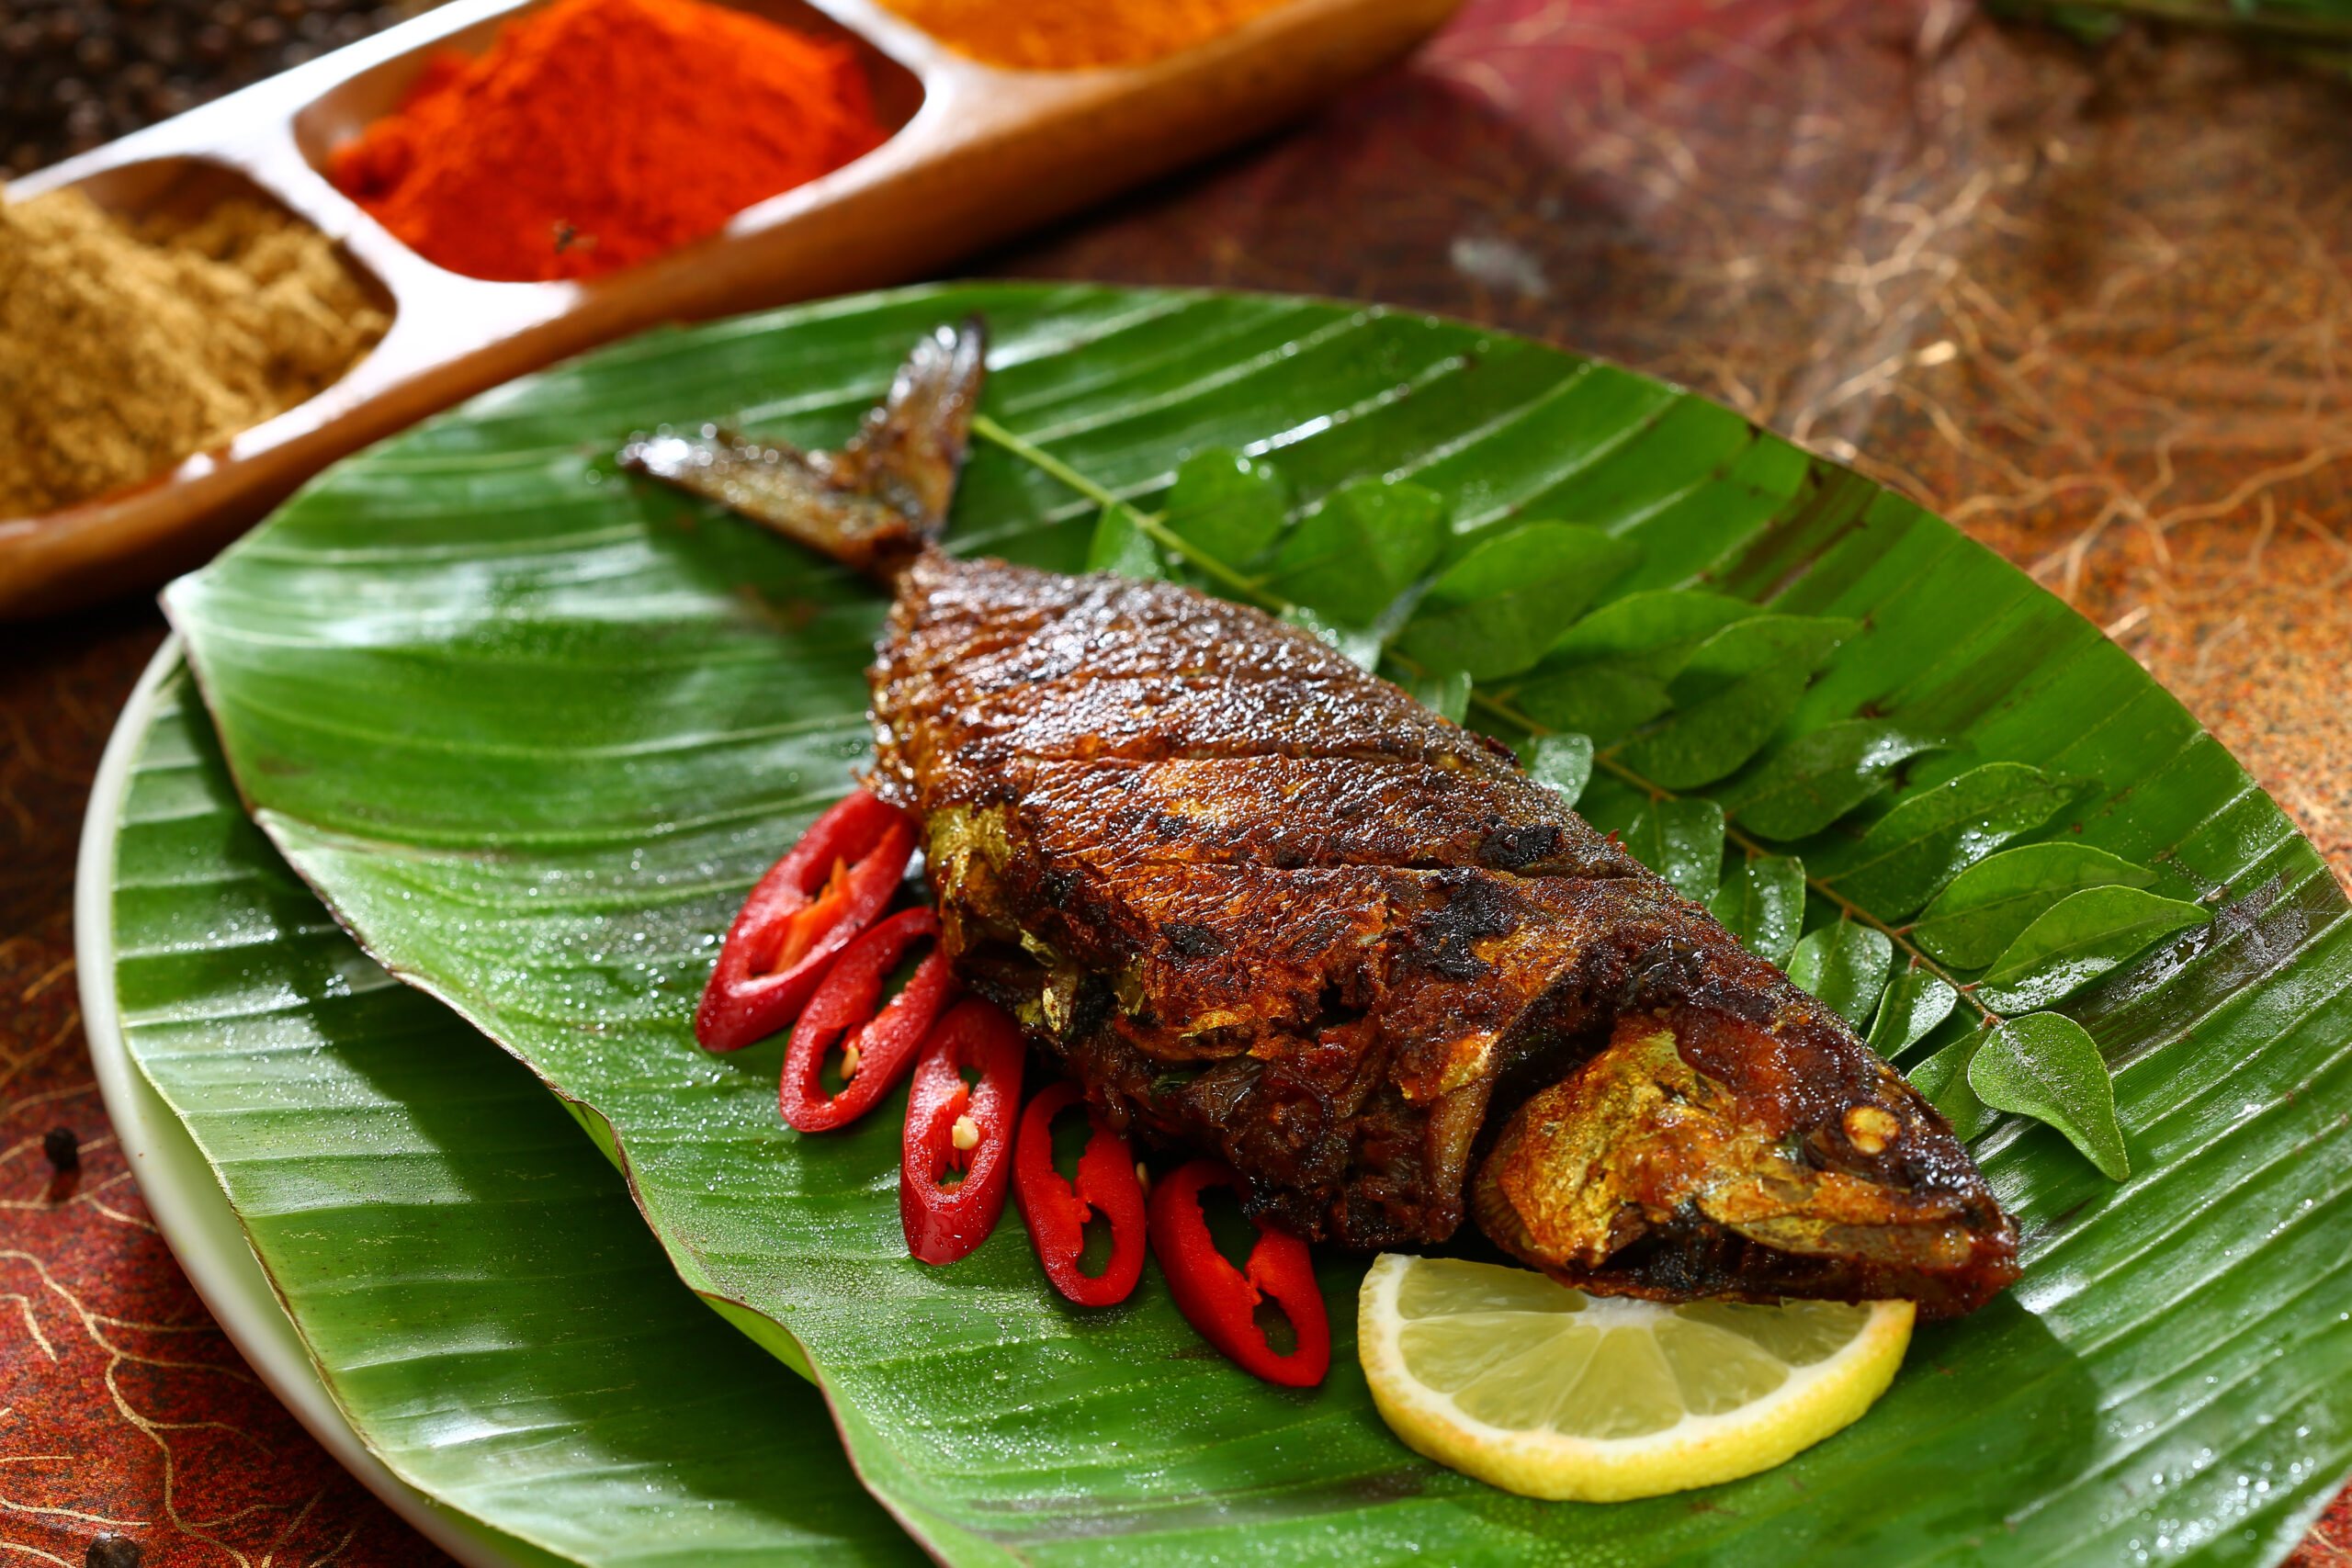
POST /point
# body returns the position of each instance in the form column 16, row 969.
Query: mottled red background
column 2089, row 304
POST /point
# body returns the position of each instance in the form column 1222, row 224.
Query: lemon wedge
column 1508, row 1376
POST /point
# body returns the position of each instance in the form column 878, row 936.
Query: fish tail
column 877, row 502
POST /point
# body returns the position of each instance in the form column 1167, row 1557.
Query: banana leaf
column 466, row 1273
column 532, row 729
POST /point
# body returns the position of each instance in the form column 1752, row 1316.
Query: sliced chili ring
column 956, row 1129
column 810, row 906
column 1055, row 1210
column 842, row 1012
column 1220, row 1300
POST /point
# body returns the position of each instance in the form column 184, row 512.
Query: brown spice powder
column 124, row 350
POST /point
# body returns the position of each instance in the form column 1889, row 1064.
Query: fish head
column 1706, row 1152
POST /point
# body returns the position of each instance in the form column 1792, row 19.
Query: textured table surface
column 2087, row 305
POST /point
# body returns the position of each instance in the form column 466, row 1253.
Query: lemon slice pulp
column 1515, row 1379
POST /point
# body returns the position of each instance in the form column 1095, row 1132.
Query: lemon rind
column 1699, row 1451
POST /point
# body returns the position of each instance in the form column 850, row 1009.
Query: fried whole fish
column 1262, row 904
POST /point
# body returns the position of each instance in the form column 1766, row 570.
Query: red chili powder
column 597, row 133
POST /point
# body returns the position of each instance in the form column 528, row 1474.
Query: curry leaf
column 1561, row 763
column 1603, row 700
column 1943, row 1079
column 1762, row 903
column 1916, row 1001
column 1987, row 905
column 1932, row 836
column 1365, row 546
column 1736, row 689
column 1819, row 777
column 1360, row 644
column 1656, row 631
column 1681, row 839
column 2047, row 1066
column 1228, row 505
column 1120, row 545
column 1844, row 966
column 2077, row 939
column 1446, row 695
column 1608, row 671
column 1493, row 611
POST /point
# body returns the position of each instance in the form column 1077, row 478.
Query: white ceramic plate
column 187, row 1199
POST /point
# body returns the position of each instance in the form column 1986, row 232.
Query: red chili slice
column 810, row 906
column 943, row 1223
column 843, row 1011
column 1218, row 1299
column 1055, row 1210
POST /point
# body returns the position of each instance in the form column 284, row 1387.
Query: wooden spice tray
column 978, row 153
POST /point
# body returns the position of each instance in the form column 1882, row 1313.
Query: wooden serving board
column 978, row 153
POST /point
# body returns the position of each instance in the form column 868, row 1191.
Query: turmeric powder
column 1068, row 34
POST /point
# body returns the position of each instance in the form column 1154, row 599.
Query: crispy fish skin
column 1262, row 903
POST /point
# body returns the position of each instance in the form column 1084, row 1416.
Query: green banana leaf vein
column 531, row 728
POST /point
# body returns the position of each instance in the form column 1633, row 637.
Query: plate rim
column 189, row 1206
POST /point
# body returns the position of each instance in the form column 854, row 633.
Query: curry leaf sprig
column 1927, row 913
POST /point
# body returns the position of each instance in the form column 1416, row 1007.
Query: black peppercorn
column 74, row 76
column 111, row 1550
column 63, row 1149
